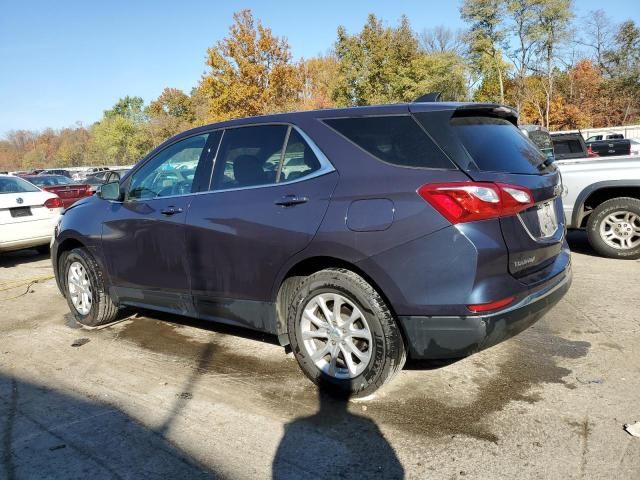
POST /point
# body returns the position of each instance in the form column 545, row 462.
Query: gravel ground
column 157, row 396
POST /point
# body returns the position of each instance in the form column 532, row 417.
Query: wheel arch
column 302, row 269
column 65, row 245
column 600, row 192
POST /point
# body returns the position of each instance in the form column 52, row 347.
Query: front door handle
column 291, row 200
column 170, row 211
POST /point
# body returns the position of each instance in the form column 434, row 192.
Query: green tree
column 553, row 18
column 486, row 37
column 122, row 137
column 386, row 64
column 251, row 72
column 169, row 114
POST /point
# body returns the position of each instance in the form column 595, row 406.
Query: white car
column 28, row 215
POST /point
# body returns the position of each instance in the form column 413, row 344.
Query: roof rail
column 429, row 97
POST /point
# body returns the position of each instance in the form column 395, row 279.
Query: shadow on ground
column 11, row 259
column 335, row 443
column 579, row 243
column 48, row 434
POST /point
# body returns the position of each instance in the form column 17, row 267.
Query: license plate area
column 20, row 212
column 547, row 219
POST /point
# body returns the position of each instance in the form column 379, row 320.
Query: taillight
column 54, row 202
column 462, row 202
column 487, row 307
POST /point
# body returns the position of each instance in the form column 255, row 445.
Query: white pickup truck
column 603, row 196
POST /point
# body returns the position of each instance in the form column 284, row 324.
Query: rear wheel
column 614, row 228
column 343, row 335
column 85, row 289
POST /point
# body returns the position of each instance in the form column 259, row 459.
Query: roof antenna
column 429, row 97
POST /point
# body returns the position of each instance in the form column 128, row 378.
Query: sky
column 64, row 61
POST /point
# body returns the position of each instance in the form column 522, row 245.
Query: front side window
column 249, row 156
column 170, row 172
column 16, row 185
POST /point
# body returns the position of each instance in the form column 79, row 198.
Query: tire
column 599, row 224
column 385, row 350
column 100, row 309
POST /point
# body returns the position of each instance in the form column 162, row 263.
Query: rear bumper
column 444, row 337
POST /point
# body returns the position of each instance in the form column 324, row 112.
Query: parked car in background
column 602, row 195
column 389, row 242
column 540, row 137
column 570, row 145
column 68, row 191
column 94, row 181
column 607, row 145
column 635, row 147
column 28, row 215
column 81, row 175
column 56, row 171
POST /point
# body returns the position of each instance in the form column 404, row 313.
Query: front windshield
column 16, row 185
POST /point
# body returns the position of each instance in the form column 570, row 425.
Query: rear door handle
column 291, row 200
column 170, row 211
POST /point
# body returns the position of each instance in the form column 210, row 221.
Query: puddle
column 532, row 362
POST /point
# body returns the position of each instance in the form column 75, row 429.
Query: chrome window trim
column 326, row 166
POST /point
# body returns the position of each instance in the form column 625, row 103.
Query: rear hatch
column 484, row 141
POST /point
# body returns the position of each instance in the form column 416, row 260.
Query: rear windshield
column 16, row 185
column 563, row 147
column 496, row 145
column 394, row 139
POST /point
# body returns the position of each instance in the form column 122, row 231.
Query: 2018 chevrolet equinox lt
column 358, row 236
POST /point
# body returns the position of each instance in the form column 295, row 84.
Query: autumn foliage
column 252, row 72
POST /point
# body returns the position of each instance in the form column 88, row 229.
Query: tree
column 553, row 17
column 524, row 27
column 441, row 39
column 128, row 107
column 386, row 64
column 597, row 34
column 622, row 63
column 251, row 72
column 486, row 38
column 169, row 114
column 318, row 77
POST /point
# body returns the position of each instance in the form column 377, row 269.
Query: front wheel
column 614, row 228
column 343, row 334
column 85, row 290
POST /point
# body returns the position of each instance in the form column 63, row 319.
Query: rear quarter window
column 398, row 140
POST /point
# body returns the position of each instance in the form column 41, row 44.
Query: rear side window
column 299, row 159
column 249, row 156
column 496, row 145
column 393, row 139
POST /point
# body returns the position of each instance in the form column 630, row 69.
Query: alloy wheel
column 621, row 230
column 79, row 287
column 336, row 335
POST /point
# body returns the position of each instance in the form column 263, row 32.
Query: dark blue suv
column 358, row 236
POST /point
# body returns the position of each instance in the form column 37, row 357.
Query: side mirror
column 110, row 191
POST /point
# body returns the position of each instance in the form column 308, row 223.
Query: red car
column 62, row 186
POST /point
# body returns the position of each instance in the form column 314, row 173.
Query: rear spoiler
column 487, row 110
